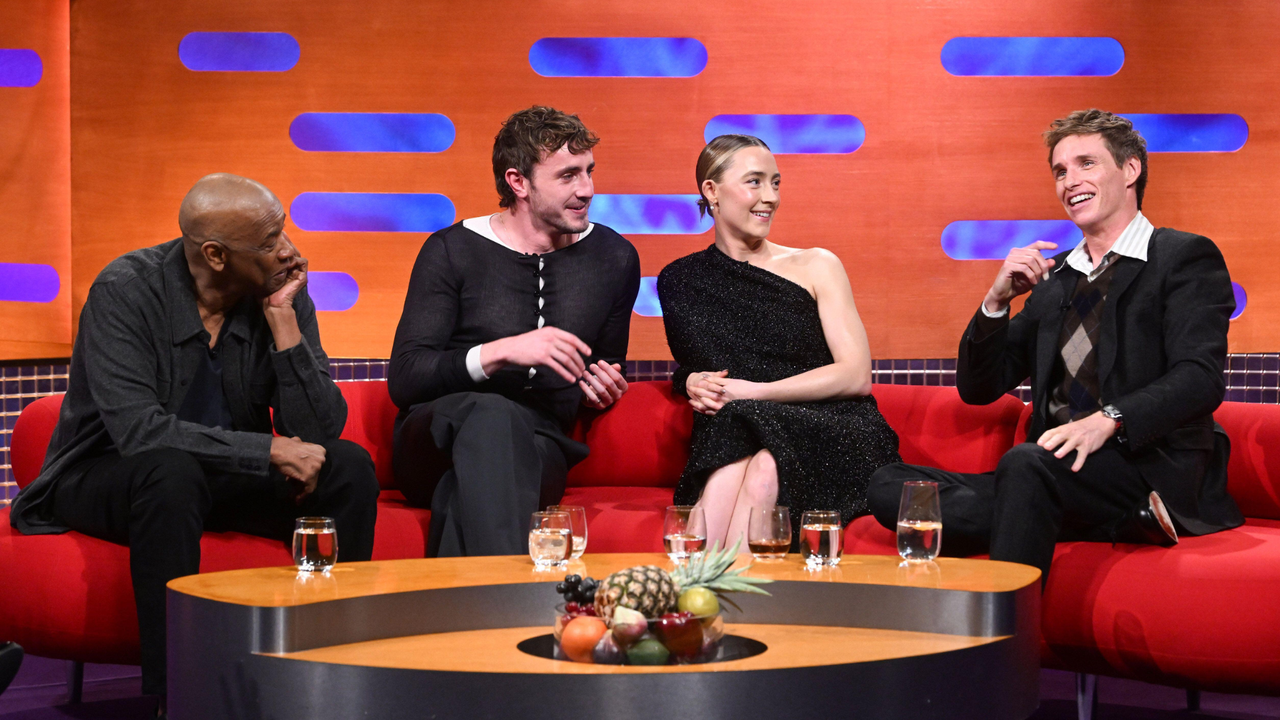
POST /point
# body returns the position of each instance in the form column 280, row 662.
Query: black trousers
column 160, row 502
column 1031, row 501
column 483, row 464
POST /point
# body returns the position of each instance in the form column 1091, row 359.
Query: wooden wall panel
column 939, row 148
column 35, row 182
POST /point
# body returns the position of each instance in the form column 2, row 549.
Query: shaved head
column 219, row 206
column 234, row 238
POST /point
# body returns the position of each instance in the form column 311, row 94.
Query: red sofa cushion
column 1205, row 610
column 70, row 595
column 622, row 519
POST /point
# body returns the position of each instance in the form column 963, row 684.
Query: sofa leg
column 1193, row 700
column 75, row 682
column 1086, row 696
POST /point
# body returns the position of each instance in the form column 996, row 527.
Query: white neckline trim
column 482, row 226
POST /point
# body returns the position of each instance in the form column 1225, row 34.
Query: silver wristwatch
column 1111, row 412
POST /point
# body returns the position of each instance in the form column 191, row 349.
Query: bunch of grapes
column 578, row 592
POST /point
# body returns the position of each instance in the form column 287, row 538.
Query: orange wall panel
column 35, row 183
column 938, row 148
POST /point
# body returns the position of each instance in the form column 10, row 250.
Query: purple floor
column 111, row 692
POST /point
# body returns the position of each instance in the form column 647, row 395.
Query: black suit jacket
column 1161, row 352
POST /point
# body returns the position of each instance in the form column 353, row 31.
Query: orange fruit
column 580, row 636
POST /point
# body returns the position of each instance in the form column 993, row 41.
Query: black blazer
column 1161, row 352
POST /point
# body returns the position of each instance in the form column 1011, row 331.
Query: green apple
column 700, row 601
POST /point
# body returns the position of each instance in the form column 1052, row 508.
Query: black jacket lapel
column 1125, row 273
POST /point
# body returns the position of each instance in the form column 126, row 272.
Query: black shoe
column 1147, row 524
column 10, row 661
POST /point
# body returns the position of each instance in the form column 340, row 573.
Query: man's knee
column 352, row 469
column 1022, row 457
column 170, row 476
column 1021, row 469
column 884, row 492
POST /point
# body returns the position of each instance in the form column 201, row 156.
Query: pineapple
column 652, row 591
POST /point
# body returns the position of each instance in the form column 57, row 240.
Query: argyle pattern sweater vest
column 1079, row 394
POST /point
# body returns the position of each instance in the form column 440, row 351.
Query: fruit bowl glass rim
column 560, row 610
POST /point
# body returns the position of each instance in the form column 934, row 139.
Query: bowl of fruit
column 644, row 615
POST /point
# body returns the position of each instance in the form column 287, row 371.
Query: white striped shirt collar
column 1131, row 243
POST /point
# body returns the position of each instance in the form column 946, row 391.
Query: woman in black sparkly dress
column 773, row 358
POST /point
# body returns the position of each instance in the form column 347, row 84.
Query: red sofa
column 1204, row 615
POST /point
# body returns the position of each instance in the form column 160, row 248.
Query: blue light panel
column 239, row 51
column 1242, row 299
column 20, row 68
column 333, row 291
column 793, row 133
column 28, row 282
column 372, row 132
column 1169, row 132
column 618, row 57
column 371, row 212
column 1032, row 56
column 647, row 304
column 993, row 239
column 650, row 214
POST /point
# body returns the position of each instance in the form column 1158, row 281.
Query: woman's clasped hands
column 709, row 391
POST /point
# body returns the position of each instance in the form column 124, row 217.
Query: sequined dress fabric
column 721, row 314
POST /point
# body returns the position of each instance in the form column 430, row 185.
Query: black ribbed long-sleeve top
column 466, row 289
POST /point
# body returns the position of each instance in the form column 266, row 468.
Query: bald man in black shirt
column 189, row 355
column 512, row 322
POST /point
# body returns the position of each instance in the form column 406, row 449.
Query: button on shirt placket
column 538, row 312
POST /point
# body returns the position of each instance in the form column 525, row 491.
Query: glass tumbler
column 550, row 539
column 821, row 538
column 684, row 532
column 315, row 544
column 769, row 532
column 919, row 522
column 578, row 522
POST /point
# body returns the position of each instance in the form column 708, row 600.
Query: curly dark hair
column 1122, row 140
column 529, row 136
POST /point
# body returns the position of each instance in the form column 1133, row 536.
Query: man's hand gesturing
column 1022, row 269
column 557, row 349
column 299, row 461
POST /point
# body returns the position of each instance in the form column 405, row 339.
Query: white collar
column 1132, row 243
column 482, row 227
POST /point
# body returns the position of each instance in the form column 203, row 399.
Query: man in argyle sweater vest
column 1124, row 338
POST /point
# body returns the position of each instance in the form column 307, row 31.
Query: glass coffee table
column 438, row 638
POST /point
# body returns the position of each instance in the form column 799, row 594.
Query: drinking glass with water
column 578, row 522
column 684, row 532
column 550, row 539
column 315, row 544
column 821, row 538
column 919, row 522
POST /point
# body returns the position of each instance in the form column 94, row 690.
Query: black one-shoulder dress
column 722, row 314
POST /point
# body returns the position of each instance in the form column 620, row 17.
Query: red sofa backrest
column 371, row 420
column 936, row 428
column 1253, row 476
column 643, row 440
column 31, row 436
